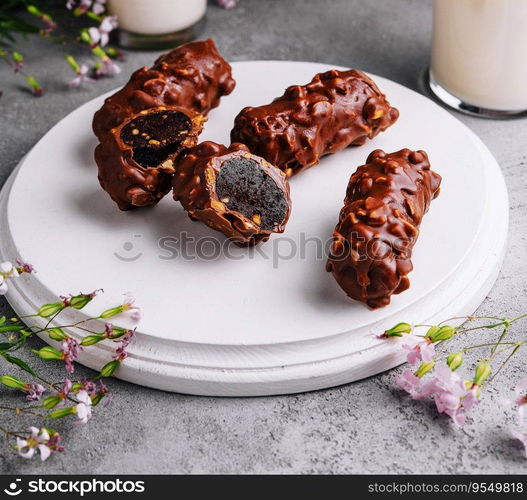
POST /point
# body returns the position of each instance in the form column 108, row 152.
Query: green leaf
column 11, row 328
column 17, row 361
column 2, row 320
column 4, row 346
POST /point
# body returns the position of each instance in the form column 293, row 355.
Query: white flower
column 8, row 270
column 83, row 409
column 101, row 35
column 37, row 441
column 98, row 7
column 82, row 76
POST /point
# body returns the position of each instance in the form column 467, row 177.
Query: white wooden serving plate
column 250, row 322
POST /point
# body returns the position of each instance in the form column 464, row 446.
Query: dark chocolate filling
column 156, row 136
column 243, row 185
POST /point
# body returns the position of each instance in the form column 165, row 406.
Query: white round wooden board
column 236, row 322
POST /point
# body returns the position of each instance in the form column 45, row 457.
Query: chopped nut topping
column 217, row 205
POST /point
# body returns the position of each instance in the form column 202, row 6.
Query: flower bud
column 437, row 334
column 81, row 300
column 48, row 310
column 51, row 401
column 91, row 340
column 117, row 332
column 114, row 311
column 48, row 353
column 483, row 371
column 32, row 9
column 57, row 334
column 398, row 330
column 62, row 412
column 109, row 369
column 17, row 57
column 95, row 400
column 455, row 360
column 85, row 36
column 13, row 382
column 424, row 368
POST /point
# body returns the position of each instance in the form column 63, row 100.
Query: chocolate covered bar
column 160, row 111
column 386, row 199
column 335, row 110
column 232, row 191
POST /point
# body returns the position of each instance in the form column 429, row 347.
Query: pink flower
column 451, row 395
column 421, row 352
column 17, row 66
column 101, row 35
column 34, row 392
column 120, row 352
column 83, row 7
column 49, row 24
column 409, row 382
column 24, row 267
column 82, row 76
column 84, row 408
column 519, row 401
column 70, row 349
column 521, row 437
column 227, row 4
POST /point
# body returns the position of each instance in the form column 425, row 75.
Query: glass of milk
column 479, row 56
column 157, row 24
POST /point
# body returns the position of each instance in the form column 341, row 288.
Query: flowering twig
column 95, row 36
column 435, row 370
column 57, row 400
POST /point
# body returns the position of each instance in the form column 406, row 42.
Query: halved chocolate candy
column 233, row 191
column 142, row 127
column 136, row 160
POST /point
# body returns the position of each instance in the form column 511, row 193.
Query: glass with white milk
column 157, row 24
column 479, row 56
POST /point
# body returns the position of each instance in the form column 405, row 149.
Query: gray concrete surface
column 365, row 427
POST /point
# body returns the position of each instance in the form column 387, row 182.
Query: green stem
column 11, row 433
column 507, row 359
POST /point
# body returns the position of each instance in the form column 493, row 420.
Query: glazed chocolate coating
column 193, row 76
column 335, row 110
column 129, row 183
column 189, row 80
column 233, row 191
column 378, row 226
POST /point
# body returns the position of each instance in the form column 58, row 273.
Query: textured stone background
column 366, row 427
